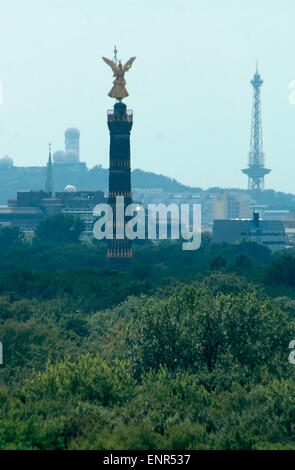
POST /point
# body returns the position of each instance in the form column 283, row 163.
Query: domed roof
column 70, row 188
column 71, row 156
column 59, row 156
column 6, row 162
column 72, row 132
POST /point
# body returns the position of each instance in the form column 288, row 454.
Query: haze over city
column 189, row 87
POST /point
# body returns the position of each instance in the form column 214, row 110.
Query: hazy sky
column 189, row 86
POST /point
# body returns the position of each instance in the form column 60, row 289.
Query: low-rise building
column 30, row 207
column 269, row 233
column 230, row 205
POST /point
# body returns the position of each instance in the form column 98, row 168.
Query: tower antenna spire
column 49, row 184
column 256, row 170
column 115, row 55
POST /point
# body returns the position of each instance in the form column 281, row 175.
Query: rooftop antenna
column 49, row 184
column 115, row 55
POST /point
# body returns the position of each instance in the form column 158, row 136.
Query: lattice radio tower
column 256, row 170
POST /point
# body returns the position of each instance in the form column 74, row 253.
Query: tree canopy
column 59, row 228
column 172, row 353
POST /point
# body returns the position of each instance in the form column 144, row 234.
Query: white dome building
column 59, row 156
column 72, row 132
column 6, row 162
column 70, row 188
column 71, row 156
column 72, row 141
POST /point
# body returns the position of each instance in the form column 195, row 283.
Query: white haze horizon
column 189, row 86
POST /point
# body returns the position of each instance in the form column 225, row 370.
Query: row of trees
column 55, row 229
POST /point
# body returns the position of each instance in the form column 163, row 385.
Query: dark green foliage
column 59, row 228
column 218, row 263
column 243, row 262
column 282, row 271
column 171, row 353
column 10, row 237
column 220, row 282
column 193, row 331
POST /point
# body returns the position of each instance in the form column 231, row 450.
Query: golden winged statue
column 119, row 91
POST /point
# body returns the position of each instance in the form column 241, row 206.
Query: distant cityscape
column 29, row 194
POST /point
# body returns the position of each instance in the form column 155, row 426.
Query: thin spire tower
column 49, row 185
column 256, row 170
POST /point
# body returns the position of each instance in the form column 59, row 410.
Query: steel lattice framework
column 256, row 170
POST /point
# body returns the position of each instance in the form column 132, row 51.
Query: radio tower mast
column 256, row 170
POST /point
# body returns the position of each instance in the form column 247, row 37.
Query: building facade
column 230, row 205
column 269, row 233
column 30, row 207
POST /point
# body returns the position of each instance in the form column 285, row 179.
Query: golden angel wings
column 119, row 91
column 115, row 67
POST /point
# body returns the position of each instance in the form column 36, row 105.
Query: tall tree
column 59, row 228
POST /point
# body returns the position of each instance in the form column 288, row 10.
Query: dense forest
column 181, row 350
